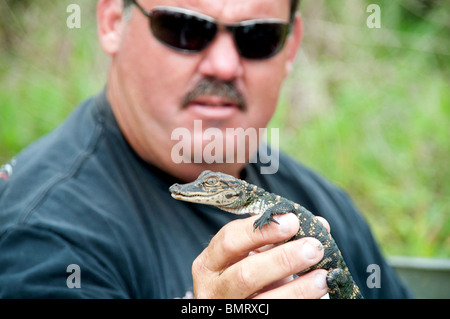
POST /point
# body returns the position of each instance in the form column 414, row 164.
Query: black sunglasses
column 188, row 31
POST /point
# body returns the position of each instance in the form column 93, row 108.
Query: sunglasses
column 191, row 32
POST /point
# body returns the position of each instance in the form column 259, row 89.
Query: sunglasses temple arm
column 146, row 13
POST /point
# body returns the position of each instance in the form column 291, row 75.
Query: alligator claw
column 263, row 220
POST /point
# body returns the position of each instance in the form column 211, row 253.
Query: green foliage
column 368, row 108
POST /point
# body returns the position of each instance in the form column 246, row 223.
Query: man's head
column 155, row 88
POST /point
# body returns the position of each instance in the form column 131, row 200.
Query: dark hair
column 294, row 7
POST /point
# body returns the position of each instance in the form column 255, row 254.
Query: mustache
column 214, row 86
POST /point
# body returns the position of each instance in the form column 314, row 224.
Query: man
column 86, row 213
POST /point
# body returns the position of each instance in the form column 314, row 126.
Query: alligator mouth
column 193, row 196
column 218, row 199
column 178, row 193
column 184, row 196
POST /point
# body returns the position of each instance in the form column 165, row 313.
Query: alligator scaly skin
column 239, row 197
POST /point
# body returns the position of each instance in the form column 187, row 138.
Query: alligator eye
column 211, row 181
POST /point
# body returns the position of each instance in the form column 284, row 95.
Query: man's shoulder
column 43, row 169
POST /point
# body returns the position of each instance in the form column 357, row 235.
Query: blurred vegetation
column 46, row 69
column 368, row 108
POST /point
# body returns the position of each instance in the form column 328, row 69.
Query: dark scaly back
column 310, row 226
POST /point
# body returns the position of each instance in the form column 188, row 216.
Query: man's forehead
column 231, row 10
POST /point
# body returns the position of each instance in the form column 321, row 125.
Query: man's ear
column 293, row 43
column 110, row 24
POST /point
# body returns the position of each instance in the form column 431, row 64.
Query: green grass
column 368, row 108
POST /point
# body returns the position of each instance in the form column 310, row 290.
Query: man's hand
column 239, row 264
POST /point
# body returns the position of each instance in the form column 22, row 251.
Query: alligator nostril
column 174, row 188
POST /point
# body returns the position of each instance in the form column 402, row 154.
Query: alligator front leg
column 279, row 208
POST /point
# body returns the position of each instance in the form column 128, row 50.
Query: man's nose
column 221, row 59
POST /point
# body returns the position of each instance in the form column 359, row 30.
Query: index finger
column 238, row 238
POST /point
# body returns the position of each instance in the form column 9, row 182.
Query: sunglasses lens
column 261, row 40
column 181, row 31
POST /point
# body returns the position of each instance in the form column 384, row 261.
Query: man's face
column 154, row 89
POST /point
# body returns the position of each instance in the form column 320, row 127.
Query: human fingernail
column 286, row 222
column 308, row 251
column 321, row 280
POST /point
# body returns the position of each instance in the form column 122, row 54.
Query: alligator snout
column 175, row 188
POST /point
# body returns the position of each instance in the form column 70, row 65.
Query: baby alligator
column 239, row 197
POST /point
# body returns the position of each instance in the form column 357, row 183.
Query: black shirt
column 81, row 196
